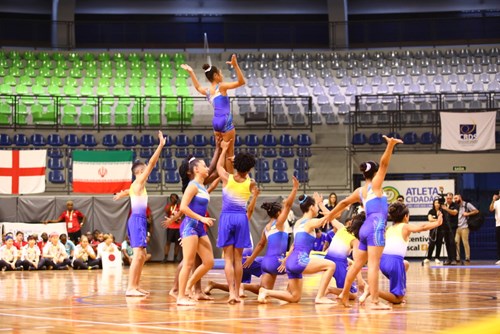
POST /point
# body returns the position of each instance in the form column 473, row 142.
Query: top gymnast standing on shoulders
column 217, row 96
column 372, row 233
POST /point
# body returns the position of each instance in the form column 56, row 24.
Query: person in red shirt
column 19, row 242
column 74, row 221
column 43, row 242
column 173, row 234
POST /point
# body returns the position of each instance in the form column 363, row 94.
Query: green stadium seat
column 148, row 57
column 21, row 89
column 62, row 64
column 88, row 57
column 38, row 90
column 5, row 89
column 30, row 72
column 135, row 91
column 166, row 91
column 103, row 57
column 54, row 90
column 69, row 90
column 103, row 91
column 151, row 91
column 87, row 90
column 40, row 116
column 45, row 72
column 57, row 56
column 73, row 56
column 105, row 115
column 21, row 114
column 69, row 115
column 86, row 115
column 56, row 81
column 10, row 80
column 137, row 118
column 5, row 113
column 45, row 100
column 154, row 114
column 121, row 115
column 75, row 73
column 43, row 56
column 41, row 81
column 91, row 73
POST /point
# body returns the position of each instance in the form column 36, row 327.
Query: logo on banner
column 391, row 193
column 468, row 133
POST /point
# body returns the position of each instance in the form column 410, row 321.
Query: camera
column 441, row 199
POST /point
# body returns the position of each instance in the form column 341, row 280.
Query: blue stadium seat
column 261, row 164
column 89, row 140
column 172, row 176
column 262, row 177
column 375, row 139
column 238, row 141
column 427, row 138
column 269, row 152
column 72, row 140
column 56, row 176
column 287, row 152
column 304, row 139
column 147, row 141
column 154, row 177
column 56, row 164
column 146, row 153
column 301, row 175
column 181, row 152
column 280, row 176
column 199, row 152
column 54, row 140
column 200, row 140
column 156, row 167
column 182, row 140
column 252, row 140
column 5, row 140
column 304, row 152
column 20, row 139
column 110, row 140
column 280, row 164
column 269, row 140
column 168, row 141
column 169, row 164
column 410, row 138
column 55, row 153
column 358, row 139
column 212, row 140
column 286, row 140
column 301, row 163
column 69, row 163
column 38, row 139
column 129, row 140
column 166, row 153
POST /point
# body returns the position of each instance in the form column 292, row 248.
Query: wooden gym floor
column 89, row 301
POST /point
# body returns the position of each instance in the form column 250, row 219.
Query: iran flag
column 22, row 171
column 106, row 172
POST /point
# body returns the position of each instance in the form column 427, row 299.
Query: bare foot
column 366, row 293
column 200, row 295
column 242, row 292
column 185, row 302
column 379, row 306
column 173, row 293
column 324, row 300
column 345, row 301
column 143, row 291
column 262, row 296
column 134, row 293
column 208, row 288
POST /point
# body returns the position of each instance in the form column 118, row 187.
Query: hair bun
column 362, row 167
column 206, row 66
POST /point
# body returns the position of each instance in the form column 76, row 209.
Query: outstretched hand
column 282, row 267
column 187, row 67
column 207, row 221
column 295, row 182
column 248, row 262
column 161, row 139
column 225, row 144
column 233, row 62
column 318, row 198
column 391, row 140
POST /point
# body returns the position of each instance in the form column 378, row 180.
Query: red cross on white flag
column 22, row 171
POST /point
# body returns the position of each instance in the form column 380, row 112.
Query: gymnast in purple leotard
column 371, row 235
column 217, row 96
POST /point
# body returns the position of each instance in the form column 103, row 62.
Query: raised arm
column 212, row 169
column 223, row 174
column 142, row 178
column 379, row 177
column 196, row 83
column 287, row 206
column 319, row 199
column 410, row 228
column 224, row 86
column 213, row 185
column 253, row 201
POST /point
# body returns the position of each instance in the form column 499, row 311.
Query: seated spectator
column 54, row 254
column 106, row 246
column 97, row 238
column 30, row 255
column 85, row 257
column 127, row 252
column 41, row 244
column 68, row 244
column 8, row 255
column 19, row 242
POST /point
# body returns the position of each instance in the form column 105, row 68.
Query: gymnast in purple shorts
column 217, row 96
column 298, row 261
column 194, row 205
column 371, row 235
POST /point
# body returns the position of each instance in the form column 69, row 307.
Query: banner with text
column 464, row 131
column 418, row 194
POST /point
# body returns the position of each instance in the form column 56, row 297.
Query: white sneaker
column 497, row 263
column 426, row 261
column 438, row 262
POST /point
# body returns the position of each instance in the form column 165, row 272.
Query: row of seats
column 147, row 140
column 58, row 176
column 409, row 138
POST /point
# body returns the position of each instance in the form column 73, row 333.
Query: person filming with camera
column 450, row 224
column 437, row 234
